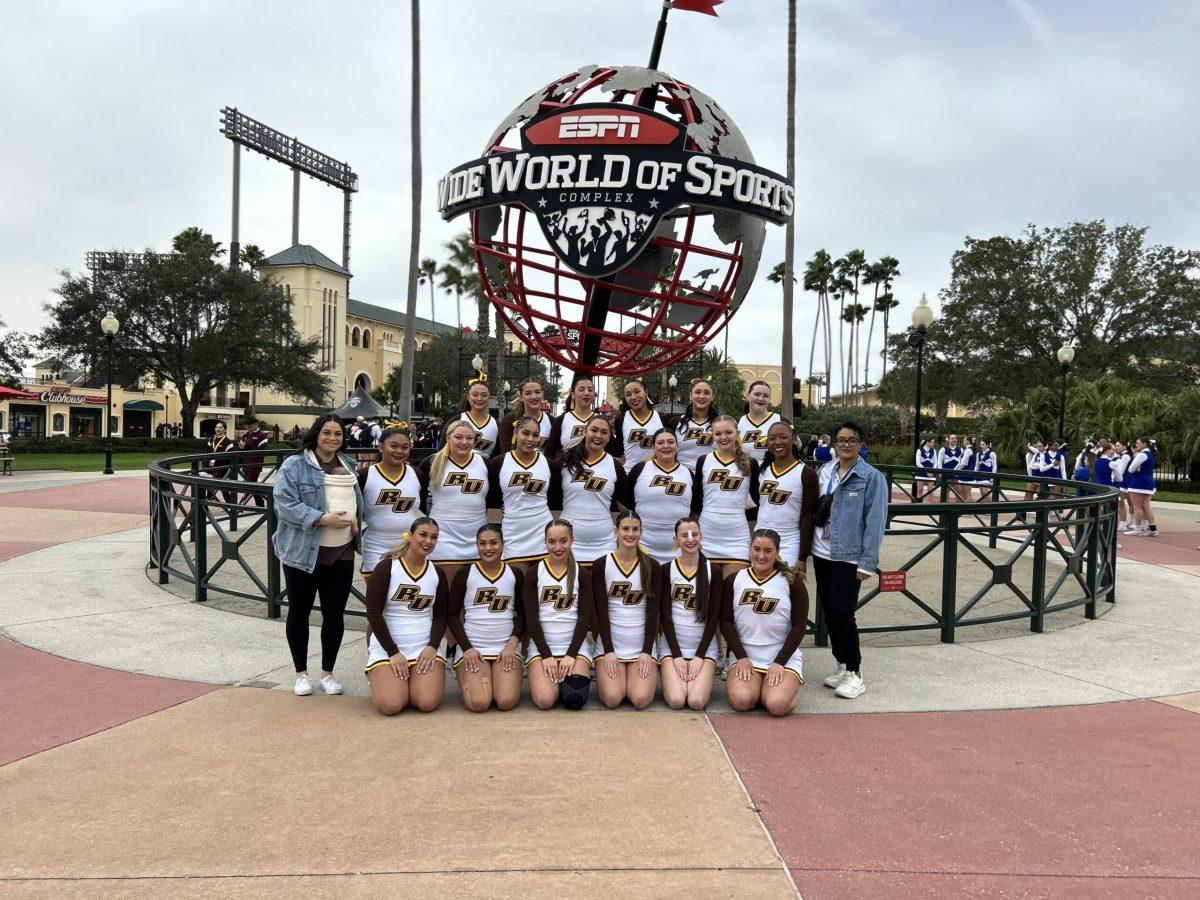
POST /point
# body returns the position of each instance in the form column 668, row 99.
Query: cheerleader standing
column 757, row 420
column 787, row 496
column 985, row 462
column 636, row 426
column 625, row 601
column 1139, row 482
column 764, row 614
column 394, row 495
column 725, row 479
column 567, row 430
column 1119, row 465
column 487, row 619
column 407, row 600
column 952, row 457
column 1102, row 468
column 458, row 490
column 558, row 612
column 927, row 458
column 474, row 411
column 592, row 481
column 693, row 429
column 689, row 610
column 661, row 492
column 529, row 406
column 526, row 487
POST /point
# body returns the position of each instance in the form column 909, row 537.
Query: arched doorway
column 363, row 380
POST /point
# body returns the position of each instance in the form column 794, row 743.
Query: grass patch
column 81, row 462
column 1177, row 497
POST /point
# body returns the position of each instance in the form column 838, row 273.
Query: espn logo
column 598, row 125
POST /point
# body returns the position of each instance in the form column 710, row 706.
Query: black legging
column 332, row 582
column 837, row 592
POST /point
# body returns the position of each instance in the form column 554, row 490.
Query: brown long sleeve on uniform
column 811, row 487
column 603, row 628
column 666, row 610
column 713, row 621
column 454, row 613
column 653, row 603
column 799, row 595
column 584, row 611
column 504, row 440
column 728, row 626
column 441, row 607
column 377, row 597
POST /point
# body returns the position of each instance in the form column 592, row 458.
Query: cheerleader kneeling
column 557, row 596
column 625, row 595
column 689, row 612
column 407, row 602
column 764, row 614
column 487, row 620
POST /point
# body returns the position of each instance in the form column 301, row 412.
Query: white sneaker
column 330, row 685
column 852, row 686
column 1149, row 534
column 836, row 679
column 303, row 686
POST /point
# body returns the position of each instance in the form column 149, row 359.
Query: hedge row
column 166, row 446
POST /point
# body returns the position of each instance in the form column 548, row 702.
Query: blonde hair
column 740, row 456
column 406, row 541
column 437, row 465
column 788, row 572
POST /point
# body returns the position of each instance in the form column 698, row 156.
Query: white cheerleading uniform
column 408, row 613
column 986, row 461
column 625, row 598
column 926, row 459
column 684, row 604
column 545, row 424
column 489, row 610
column 694, row 439
column 754, row 434
column 557, row 611
column 588, row 503
column 458, row 503
column 661, row 498
column 487, row 433
column 724, row 491
column 571, row 428
column 638, row 437
column 762, row 614
column 780, row 496
column 389, row 508
column 525, row 491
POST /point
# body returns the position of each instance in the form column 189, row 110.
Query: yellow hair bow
column 707, row 378
column 480, row 379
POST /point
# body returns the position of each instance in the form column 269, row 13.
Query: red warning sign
column 893, row 581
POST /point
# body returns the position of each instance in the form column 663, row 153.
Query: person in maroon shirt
column 254, row 438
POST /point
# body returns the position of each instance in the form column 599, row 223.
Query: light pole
column 672, row 383
column 505, row 388
column 109, row 325
column 922, row 318
column 1066, row 353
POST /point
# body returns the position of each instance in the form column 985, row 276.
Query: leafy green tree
column 1129, row 307
column 16, row 349
column 899, row 386
column 189, row 321
column 880, row 276
column 728, row 386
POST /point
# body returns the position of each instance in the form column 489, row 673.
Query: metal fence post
column 1037, row 621
column 949, row 528
column 1111, row 550
column 1093, row 563
column 232, row 475
column 200, row 536
column 273, row 572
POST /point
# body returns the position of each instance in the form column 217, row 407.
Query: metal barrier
column 1066, row 530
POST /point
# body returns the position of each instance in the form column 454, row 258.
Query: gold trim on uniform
column 649, row 414
column 468, row 415
column 750, row 419
column 378, row 467
column 754, row 578
column 654, row 459
column 787, row 669
column 419, row 575
column 524, row 465
column 621, row 568
column 795, row 462
column 499, row 575
column 689, row 577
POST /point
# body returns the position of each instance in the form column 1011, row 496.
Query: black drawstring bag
column 574, row 691
column 824, row 510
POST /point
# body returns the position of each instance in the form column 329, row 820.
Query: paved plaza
column 151, row 746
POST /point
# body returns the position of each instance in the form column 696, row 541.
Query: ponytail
column 788, row 572
column 406, row 540
column 437, row 465
column 740, row 456
column 643, row 557
column 571, row 564
column 703, row 581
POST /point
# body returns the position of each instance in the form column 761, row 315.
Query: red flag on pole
column 708, row 7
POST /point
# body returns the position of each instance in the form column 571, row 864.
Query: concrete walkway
column 193, row 790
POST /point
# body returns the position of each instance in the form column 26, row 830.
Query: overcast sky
column 919, row 122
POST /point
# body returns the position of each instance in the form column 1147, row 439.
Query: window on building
column 354, row 337
column 60, row 422
column 366, row 338
column 347, row 334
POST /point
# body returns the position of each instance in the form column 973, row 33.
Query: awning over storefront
column 143, row 404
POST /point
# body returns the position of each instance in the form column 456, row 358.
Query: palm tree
column 840, row 287
column 880, row 274
column 409, row 355
column 885, row 304
column 426, row 275
column 817, row 275
column 851, row 267
column 787, row 367
column 854, row 314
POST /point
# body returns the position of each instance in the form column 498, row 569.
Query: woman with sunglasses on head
column 407, row 603
column 850, row 520
column 592, row 483
column 526, row 486
column 473, row 409
column 394, row 494
column 787, row 496
column 625, row 602
column 689, row 610
column 459, row 485
column 764, row 614
column 636, row 425
column 757, row 420
column 660, row 492
column 487, row 619
column 724, row 481
column 530, row 398
column 693, row 429
column 567, row 430
column 558, row 612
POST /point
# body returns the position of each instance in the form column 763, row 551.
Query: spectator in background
column 824, row 450
column 376, row 431
column 254, row 438
column 811, row 447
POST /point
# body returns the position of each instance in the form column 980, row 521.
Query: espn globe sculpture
column 649, row 215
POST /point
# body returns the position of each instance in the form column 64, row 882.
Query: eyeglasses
column 847, row 442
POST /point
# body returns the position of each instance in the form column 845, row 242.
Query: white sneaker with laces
column 330, row 685
column 837, row 677
column 853, row 686
column 303, row 686
column 1149, row 534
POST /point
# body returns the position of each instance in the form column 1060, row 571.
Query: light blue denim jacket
column 859, row 517
column 299, row 499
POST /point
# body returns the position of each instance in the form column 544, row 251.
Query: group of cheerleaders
column 638, row 599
